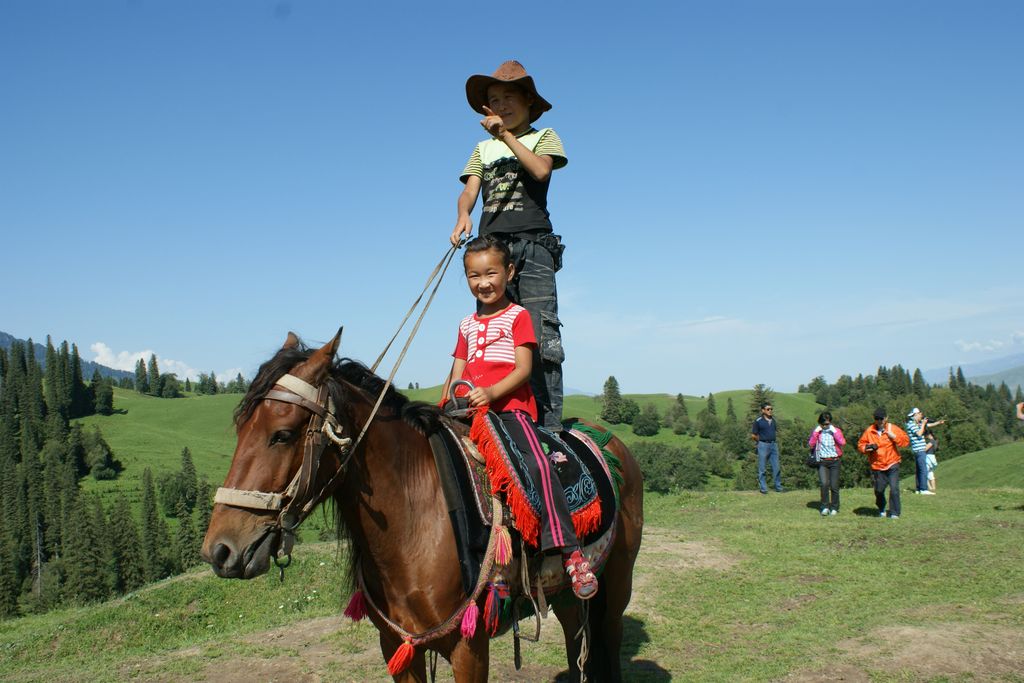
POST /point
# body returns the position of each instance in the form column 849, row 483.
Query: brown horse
column 388, row 505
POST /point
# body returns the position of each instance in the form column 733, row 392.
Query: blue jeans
column 764, row 451
column 921, row 459
column 890, row 478
column 533, row 288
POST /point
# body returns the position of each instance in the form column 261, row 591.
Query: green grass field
column 729, row 587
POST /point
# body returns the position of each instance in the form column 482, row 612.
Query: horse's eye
column 283, row 436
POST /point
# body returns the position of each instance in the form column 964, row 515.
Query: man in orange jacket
column 881, row 443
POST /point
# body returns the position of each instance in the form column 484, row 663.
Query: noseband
column 300, row 497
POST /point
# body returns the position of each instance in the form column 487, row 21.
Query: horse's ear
column 315, row 369
column 291, row 341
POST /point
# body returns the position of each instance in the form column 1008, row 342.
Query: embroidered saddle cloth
column 510, row 477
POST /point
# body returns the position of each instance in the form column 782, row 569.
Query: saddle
column 470, row 479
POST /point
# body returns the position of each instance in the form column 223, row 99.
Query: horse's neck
column 393, row 500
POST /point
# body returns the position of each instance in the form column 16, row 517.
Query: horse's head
column 290, row 450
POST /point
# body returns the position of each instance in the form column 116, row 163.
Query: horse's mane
column 347, row 380
column 345, row 374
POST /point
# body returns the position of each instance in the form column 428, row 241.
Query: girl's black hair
column 825, row 415
column 485, row 242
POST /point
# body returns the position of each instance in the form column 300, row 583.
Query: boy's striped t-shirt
column 512, row 200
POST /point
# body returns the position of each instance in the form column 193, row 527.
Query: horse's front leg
column 416, row 672
column 469, row 658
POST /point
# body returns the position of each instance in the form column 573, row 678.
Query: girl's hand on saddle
column 479, row 396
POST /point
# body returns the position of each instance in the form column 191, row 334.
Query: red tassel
column 503, row 546
column 400, row 661
column 491, row 611
column 356, row 609
column 469, row 621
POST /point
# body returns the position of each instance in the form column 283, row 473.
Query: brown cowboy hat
column 509, row 72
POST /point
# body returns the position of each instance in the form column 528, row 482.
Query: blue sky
column 756, row 191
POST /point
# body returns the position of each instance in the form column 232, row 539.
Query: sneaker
column 833, row 512
column 764, row 492
column 927, row 493
column 881, row 513
column 584, row 583
column 824, row 512
column 894, row 516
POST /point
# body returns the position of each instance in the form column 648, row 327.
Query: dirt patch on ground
column 668, row 548
column 924, row 653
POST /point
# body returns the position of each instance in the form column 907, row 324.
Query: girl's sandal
column 584, row 583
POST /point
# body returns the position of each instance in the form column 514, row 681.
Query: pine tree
column 81, row 404
column 920, row 387
column 88, row 578
column 189, row 479
column 730, row 411
column 31, row 405
column 141, row 378
column 188, row 543
column 154, row 375
column 54, row 395
column 712, row 410
column 152, row 562
column 103, row 391
column 125, row 547
column 8, row 586
column 611, row 410
column 759, row 395
column 205, row 508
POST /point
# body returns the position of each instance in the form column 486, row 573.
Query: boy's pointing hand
column 492, row 123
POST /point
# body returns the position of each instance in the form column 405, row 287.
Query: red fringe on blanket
column 584, row 521
column 587, row 519
column 501, row 479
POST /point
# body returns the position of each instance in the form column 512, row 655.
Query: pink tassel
column 400, row 661
column 356, row 609
column 469, row 621
column 503, row 546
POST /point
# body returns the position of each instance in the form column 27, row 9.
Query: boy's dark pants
column 828, row 478
column 533, row 288
column 890, row 478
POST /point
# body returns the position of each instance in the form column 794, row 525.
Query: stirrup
column 584, row 583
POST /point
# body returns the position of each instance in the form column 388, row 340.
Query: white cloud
column 1016, row 338
column 124, row 360
column 127, row 360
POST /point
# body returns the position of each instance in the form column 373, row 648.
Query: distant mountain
column 977, row 372
column 87, row 366
column 1014, row 377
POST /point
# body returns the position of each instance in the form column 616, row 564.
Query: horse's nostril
column 221, row 553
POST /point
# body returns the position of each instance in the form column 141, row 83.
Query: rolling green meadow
column 729, row 586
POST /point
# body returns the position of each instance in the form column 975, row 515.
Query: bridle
column 297, row 501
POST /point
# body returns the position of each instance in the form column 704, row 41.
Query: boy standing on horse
column 513, row 169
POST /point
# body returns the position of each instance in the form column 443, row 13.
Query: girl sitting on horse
column 494, row 352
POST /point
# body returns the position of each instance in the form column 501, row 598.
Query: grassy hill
column 997, row 466
column 787, row 406
column 728, row 587
column 150, row 432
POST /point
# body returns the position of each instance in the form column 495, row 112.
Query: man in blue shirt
column 764, row 433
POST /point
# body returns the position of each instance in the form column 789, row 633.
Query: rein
column 323, row 428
